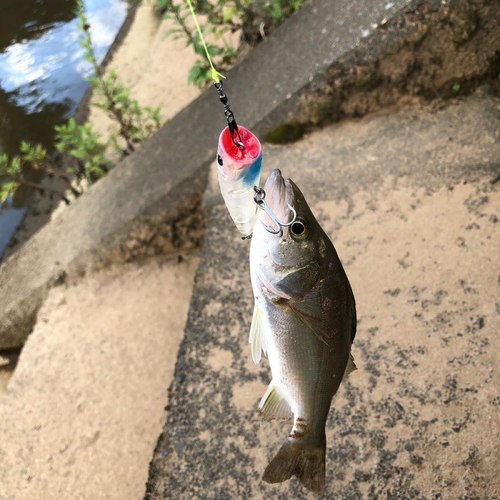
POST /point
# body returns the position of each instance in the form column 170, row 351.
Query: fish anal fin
column 258, row 335
column 274, row 404
column 350, row 367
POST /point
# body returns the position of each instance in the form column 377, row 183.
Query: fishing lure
column 238, row 172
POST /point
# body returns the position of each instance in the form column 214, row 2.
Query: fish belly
column 307, row 370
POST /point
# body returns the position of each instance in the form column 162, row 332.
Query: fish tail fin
column 301, row 459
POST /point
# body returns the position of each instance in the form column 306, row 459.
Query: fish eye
column 298, row 228
column 219, row 160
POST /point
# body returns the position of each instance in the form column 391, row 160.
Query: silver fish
column 305, row 321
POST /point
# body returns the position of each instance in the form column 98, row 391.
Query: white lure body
column 238, row 172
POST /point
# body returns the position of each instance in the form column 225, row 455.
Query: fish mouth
column 279, row 194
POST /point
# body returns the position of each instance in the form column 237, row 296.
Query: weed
column 255, row 19
column 81, row 142
column 12, row 170
column 135, row 122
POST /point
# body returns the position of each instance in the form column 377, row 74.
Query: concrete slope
column 408, row 200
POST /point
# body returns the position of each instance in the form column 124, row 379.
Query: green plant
column 81, row 142
column 280, row 10
column 37, row 159
column 200, row 73
column 12, row 170
column 135, row 122
column 254, row 18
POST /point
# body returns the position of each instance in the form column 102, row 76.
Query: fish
column 238, row 171
column 304, row 320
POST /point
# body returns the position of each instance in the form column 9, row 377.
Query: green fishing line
column 215, row 73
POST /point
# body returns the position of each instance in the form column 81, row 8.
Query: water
column 42, row 72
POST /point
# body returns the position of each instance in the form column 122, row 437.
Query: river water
column 42, row 73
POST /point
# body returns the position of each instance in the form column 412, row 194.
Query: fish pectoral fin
column 258, row 335
column 351, row 366
column 274, row 404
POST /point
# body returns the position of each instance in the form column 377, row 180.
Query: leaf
column 15, row 165
column 123, row 95
column 4, row 163
column 5, row 190
column 213, row 50
column 36, row 154
column 228, row 13
column 194, row 73
column 276, row 12
column 173, row 31
column 79, row 153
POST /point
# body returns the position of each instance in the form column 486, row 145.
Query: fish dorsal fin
column 258, row 335
column 351, row 366
column 274, row 404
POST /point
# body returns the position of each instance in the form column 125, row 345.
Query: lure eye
column 298, row 228
column 219, row 160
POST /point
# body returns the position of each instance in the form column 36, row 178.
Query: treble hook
column 259, row 198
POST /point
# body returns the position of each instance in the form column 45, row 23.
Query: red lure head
column 243, row 156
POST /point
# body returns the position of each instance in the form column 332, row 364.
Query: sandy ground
column 8, row 362
column 86, row 403
column 5, row 376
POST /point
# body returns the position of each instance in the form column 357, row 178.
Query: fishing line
column 216, row 77
column 215, row 73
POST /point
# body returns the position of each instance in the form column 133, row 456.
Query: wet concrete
column 410, row 201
